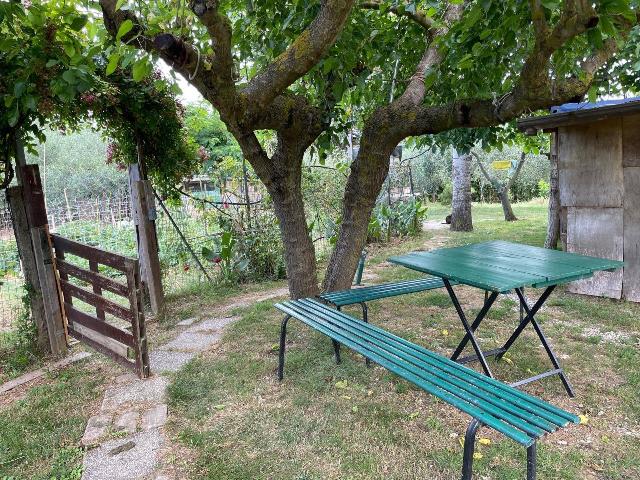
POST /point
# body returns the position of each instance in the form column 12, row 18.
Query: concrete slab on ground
column 212, row 324
column 163, row 361
column 130, row 458
column 151, row 390
column 192, row 342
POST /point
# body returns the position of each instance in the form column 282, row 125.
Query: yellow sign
column 501, row 164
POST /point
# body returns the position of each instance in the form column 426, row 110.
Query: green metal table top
column 500, row 266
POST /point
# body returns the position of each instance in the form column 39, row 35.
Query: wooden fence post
column 144, row 214
column 30, row 271
column 43, row 253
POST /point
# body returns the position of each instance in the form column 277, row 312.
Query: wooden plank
column 631, row 278
column 119, row 262
column 138, row 327
column 91, row 298
column 34, row 196
column 98, row 325
column 65, row 268
column 590, row 165
column 597, row 232
column 143, row 205
column 631, row 142
column 494, row 279
column 114, row 350
column 49, row 287
column 93, row 267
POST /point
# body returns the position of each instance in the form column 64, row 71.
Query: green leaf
column 69, row 49
column 13, row 119
column 69, row 76
column 119, row 4
column 19, row 88
column 52, row 62
column 141, row 69
column 78, row 23
column 125, row 27
column 113, row 63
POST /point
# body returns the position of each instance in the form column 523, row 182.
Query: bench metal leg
column 283, row 337
column 469, row 446
column 365, row 318
column 531, row 462
column 336, row 348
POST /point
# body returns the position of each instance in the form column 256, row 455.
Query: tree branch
column 513, row 178
column 417, row 16
column 301, row 56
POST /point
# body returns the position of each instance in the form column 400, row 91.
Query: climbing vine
column 55, row 73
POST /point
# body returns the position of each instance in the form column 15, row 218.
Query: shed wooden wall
column 599, row 173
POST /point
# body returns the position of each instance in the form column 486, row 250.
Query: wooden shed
column 598, row 151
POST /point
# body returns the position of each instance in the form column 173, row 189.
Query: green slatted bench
column 518, row 415
column 363, row 295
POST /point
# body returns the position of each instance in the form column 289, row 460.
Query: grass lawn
column 40, row 430
column 231, row 419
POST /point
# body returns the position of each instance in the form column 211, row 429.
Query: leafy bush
column 544, row 188
column 401, row 219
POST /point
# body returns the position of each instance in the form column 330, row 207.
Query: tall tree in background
column 307, row 70
column 461, row 220
column 502, row 188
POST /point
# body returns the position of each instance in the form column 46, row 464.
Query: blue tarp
column 572, row 107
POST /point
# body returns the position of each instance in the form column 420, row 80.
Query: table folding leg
column 499, row 352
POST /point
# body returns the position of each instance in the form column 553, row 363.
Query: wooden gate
column 110, row 318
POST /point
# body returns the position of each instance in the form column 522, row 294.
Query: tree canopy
column 442, row 71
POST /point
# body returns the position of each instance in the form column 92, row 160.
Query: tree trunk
column 509, row 216
column 553, row 225
column 368, row 173
column 299, row 253
column 461, row 220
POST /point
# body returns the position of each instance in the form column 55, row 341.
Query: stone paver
column 191, row 342
column 97, row 427
column 151, row 390
column 154, row 417
column 168, row 361
column 127, row 422
column 119, row 460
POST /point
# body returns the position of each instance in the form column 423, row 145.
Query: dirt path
column 126, row 439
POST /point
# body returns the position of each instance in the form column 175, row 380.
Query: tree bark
column 368, row 173
column 509, row 216
column 461, row 220
column 553, row 225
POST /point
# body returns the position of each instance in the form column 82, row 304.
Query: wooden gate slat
column 99, row 326
column 93, row 278
column 125, row 362
column 96, row 301
column 87, row 252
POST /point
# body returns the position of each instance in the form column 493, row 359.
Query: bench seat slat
column 454, row 367
column 486, row 418
column 516, row 414
column 522, row 414
column 498, row 409
column 385, row 290
column 534, row 406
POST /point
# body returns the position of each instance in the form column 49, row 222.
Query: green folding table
column 499, row 267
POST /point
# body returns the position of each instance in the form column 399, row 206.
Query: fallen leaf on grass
column 341, row 384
